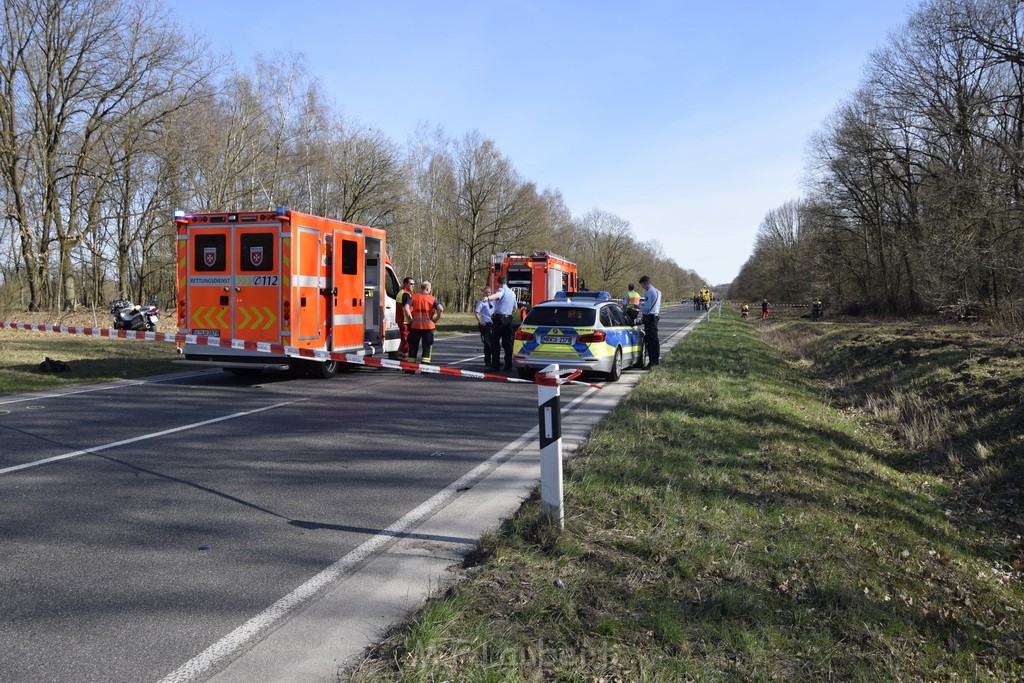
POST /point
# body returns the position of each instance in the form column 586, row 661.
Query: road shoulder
column 327, row 638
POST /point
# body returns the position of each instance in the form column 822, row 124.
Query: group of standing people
column 419, row 312
column 650, row 314
column 648, row 309
column 494, row 314
column 702, row 299
column 417, row 316
column 765, row 309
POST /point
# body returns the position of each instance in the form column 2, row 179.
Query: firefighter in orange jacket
column 425, row 311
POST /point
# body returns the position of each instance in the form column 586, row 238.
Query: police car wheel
column 641, row 358
column 526, row 373
column 616, row 371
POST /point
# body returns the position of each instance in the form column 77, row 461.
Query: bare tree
column 611, row 254
column 365, row 175
column 493, row 210
column 83, row 68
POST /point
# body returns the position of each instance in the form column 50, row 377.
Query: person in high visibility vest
column 424, row 311
column 404, row 296
column 745, row 310
column 522, row 308
column 631, row 302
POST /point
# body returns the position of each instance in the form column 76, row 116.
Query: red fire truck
column 536, row 277
column 283, row 277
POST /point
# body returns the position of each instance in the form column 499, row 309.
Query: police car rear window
column 560, row 315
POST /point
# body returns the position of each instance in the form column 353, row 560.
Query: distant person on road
column 631, row 302
column 816, row 309
column 764, row 309
column 424, row 311
column 650, row 313
column 482, row 310
column 745, row 310
column 501, row 322
column 404, row 296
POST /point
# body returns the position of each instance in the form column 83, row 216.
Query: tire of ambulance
column 314, row 368
column 326, row 370
column 615, row 373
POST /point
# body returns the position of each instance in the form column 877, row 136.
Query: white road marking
column 144, row 437
column 245, row 635
column 466, row 360
column 120, row 384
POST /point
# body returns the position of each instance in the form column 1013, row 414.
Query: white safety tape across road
column 269, row 347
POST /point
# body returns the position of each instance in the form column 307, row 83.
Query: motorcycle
column 129, row 316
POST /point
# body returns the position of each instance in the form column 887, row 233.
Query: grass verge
column 730, row 522
column 90, row 360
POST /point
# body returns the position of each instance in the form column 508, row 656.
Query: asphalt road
column 142, row 521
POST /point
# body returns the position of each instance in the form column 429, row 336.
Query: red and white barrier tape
column 269, row 347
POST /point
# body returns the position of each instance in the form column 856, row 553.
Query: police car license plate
column 555, row 339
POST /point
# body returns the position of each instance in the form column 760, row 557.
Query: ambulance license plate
column 206, row 333
column 555, row 339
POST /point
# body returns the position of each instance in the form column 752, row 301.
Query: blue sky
column 690, row 120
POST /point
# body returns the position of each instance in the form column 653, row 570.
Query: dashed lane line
column 143, row 437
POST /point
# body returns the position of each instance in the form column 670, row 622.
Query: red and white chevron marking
column 268, row 347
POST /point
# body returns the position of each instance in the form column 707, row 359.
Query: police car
column 585, row 330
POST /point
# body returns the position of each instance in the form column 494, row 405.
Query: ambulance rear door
column 375, row 301
column 310, row 306
column 210, row 280
column 347, row 293
column 257, row 290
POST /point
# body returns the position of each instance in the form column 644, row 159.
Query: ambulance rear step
column 213, row 361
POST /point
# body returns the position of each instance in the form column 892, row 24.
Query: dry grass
column 89, row 359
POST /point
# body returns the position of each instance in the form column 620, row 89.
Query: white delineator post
column 549, row 382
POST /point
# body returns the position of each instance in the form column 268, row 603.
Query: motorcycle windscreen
column 208, row 270
column 257, row 291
